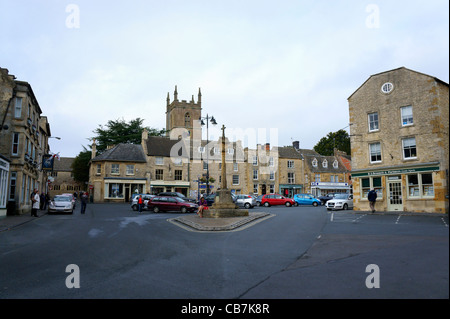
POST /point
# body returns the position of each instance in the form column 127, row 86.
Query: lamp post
column 213, row 122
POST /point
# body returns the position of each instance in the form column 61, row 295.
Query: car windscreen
column 62, row 199
column 341, row 196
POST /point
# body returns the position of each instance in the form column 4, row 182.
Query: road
column 300, row 252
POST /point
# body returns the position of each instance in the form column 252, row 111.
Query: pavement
column 10, row 222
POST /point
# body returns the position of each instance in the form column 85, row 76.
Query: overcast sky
column 283, row 65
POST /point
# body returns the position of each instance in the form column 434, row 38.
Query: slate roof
column 122, row 153
column 63, row 164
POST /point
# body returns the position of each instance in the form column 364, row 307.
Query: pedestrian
column 35, row 199
column 84, row 200
column 140, row 203
column 42, row 201
column 47, row 200
column 203, row 205
column 372, row 197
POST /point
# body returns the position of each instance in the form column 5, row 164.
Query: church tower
column 181, row 114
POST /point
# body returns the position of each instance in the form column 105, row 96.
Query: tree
column 119, row 131
column 80, row 166
column 339, row 140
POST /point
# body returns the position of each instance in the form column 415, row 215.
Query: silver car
column 61, row 204
column 145, row 197
column 247, row 201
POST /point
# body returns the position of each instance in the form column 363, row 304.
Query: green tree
column 339, row 140
column 118, row 131
column 80, row 166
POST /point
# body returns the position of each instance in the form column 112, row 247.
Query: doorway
column 395, row 199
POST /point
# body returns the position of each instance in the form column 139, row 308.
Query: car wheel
column 156, row 209
column 345, row 207
column 315, row 204
column 258, row 203
column 266, row 204
column 247, row 205
column 288, row 204
column 183, row 210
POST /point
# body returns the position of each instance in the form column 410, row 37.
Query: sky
column 283, row 69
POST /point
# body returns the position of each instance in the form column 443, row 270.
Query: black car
column 325, row 198
column 176, row 194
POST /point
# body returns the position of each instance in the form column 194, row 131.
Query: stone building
column 399, row 123
column 61, row 178
column 24, row 134
column 118, row 172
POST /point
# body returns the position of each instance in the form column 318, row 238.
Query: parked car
column 306, row 199
column 171, row 203
column 145, row 197
column 258, row 200
column 211, row 198
column 74, row 200
column 247, row 201
column 61, row 204
column 179, row 195
column 276, row 199
column 340, row 201
column 325, row 198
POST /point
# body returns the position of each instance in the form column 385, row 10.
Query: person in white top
column 35, row 199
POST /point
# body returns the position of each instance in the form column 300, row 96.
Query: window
column 12, row 186
column 18, row 107
column 272, row 175
column 115, row 169
column 373, row 122
column 291, row 178
column 187, row 120
column 271, row 163
column 290, row 164
column 325, row 163
column 178, row 175
column 99, row 169
column 407, row 115
column 314, row 162
column 387, row 87
column 409, row 148
column 115, row 190
column 255, row 188
column 230, row 151
column 201, row 149
column 159, row 160
column 255, row 174
column 272, row 188
column 130, row 169
column 235, row 179
column 235, row 166
column 375, row 152
column 335, row 164
column 15, row 144
column 205, row 165
column 255, row 160
column 177, row 161
column 317, row 177
column 159, row 174
column 420, row 185
column 371, row 182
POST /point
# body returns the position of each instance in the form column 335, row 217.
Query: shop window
column 420, row 185
column 369, row 183
column 115, row 190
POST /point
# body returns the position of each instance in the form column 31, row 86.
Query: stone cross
column 224, row 170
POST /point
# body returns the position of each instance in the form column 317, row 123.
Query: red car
column 276, row 199
column 170, row 203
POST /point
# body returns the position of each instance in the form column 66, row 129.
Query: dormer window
column 335, row 164
column 314, row 162
column 325, row 163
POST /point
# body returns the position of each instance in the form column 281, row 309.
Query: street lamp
column 213, row 122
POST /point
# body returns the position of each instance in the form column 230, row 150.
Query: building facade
column 24, row 142
column 399, row 123
column 60, row 179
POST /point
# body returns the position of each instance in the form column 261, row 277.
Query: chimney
column 94, row 149
column 267, row 146
column 296, row 145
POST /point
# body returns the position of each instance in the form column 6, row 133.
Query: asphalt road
column 300, row 252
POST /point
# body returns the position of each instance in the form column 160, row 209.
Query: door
column 395, row 200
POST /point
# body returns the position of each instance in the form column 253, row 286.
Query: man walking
column 372, row 197
column 84, row 200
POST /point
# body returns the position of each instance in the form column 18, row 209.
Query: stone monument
column 223, row 203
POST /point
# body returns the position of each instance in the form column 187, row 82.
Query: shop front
column 323, row 188
column 289, row 190
column 408, row 188
column 169, row 186
column 120, row 189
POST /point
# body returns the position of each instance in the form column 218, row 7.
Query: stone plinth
column 224, row 207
